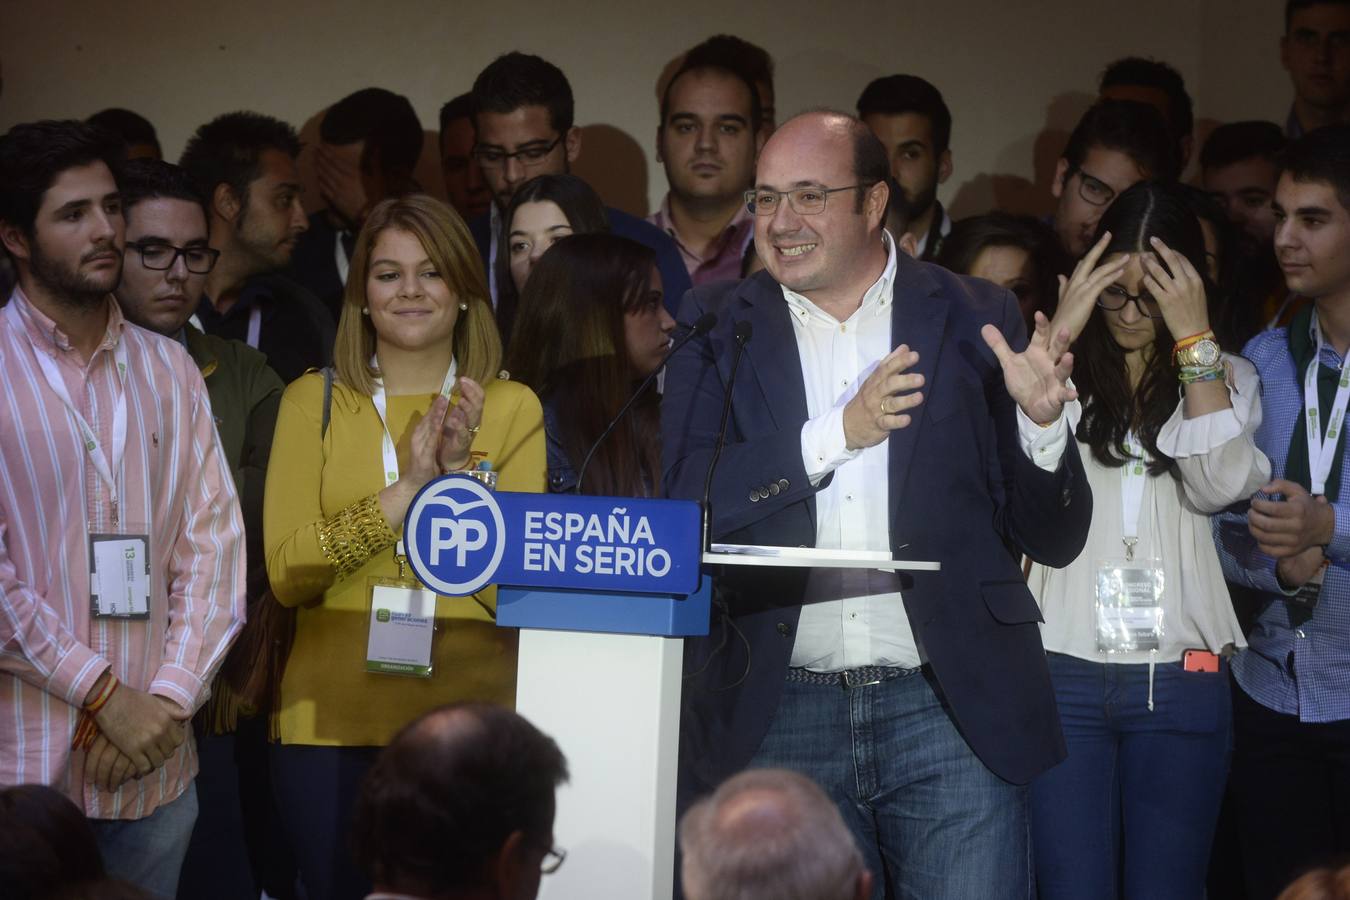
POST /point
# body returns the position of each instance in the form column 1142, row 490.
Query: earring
column 365, row 310
column 463, row 307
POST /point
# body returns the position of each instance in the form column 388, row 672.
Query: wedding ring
column 884, row 411
column 473, row 429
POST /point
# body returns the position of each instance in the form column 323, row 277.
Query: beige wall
column 1016, row 74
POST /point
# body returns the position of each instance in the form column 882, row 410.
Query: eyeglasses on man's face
column 1093, row 190
column 161, row 256
column 807, row 201
column 530, row 156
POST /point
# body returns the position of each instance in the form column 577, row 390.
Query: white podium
column 612, row 702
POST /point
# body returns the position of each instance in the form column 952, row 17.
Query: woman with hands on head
column 416, row 395
column 1137, row 629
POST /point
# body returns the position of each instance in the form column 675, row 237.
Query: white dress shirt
column 855, row 617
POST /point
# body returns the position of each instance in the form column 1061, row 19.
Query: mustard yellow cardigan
column 327, row 697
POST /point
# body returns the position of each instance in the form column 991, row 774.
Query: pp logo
column 455, row 535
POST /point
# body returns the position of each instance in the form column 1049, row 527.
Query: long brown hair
column 450, row 247
column 568, row 346
column 1111, row 407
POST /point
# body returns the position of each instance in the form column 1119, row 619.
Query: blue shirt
column 1297, row 668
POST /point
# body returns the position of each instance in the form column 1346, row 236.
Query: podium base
column 612, row 703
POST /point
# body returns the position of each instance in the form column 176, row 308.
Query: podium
column 601, row 650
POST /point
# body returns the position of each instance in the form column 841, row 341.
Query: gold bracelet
column 354, row 535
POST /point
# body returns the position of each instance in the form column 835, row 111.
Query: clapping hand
column 460, row 427
column 884, row 400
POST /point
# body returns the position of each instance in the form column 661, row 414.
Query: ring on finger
column 473, row 429
column 884, row 410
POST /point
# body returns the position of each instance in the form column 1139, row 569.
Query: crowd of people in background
column 1119, row 427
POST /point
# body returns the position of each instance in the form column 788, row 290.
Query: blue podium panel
column 460, row 536
column 610, row 613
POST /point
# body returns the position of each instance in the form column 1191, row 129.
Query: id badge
column 1129, row 605
column 402, row 623
column 119, row 576
column 1311, row 591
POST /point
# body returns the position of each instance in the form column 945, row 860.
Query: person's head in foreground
column 460, row 805
column 770, row 834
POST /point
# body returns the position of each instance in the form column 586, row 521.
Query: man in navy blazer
column 879, row 406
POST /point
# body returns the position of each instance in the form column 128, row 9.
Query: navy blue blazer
column 962, row 492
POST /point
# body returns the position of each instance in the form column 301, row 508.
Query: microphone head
column 705, row 323
column 743, row 331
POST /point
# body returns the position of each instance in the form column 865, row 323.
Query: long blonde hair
column 451, row 249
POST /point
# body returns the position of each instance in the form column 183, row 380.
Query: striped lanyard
column 1321, row 451
column 1133, row 476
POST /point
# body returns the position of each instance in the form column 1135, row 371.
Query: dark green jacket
column 245, row 394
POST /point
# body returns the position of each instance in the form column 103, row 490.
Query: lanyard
column 388, row 450
column 102, row 464
column 344, row 265
column 1133, row 476
column 254, row 327
column 1322, row 452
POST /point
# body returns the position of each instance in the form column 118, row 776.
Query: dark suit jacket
column 962, row 492
column 313, row 265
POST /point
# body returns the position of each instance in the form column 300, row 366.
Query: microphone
column 702, row 325
column 742, row 337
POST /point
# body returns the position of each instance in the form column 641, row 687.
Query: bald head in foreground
column 771, row 834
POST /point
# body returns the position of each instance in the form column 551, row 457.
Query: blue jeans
column 931, row 821
column 1132, row 810
column 149, row 852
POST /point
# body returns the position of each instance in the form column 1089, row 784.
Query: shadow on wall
column 427, row 173
column 615, row 164
column 1013, row 193
column 611, row 161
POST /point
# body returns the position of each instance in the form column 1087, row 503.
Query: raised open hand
column 1079, row 292
column 1037, row 378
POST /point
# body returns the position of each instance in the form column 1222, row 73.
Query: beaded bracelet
column 1197, row 374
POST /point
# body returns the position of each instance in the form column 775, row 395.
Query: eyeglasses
column 1093, row 190
column 154, row 255
column 1114, row 297
column 808, row 201
column 553, row 860
column 492, row 158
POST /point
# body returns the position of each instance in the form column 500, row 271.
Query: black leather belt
column 863, row 676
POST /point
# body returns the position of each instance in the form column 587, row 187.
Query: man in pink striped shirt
column 121, row 545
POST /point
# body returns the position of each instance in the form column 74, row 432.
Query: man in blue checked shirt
column 1291, row 717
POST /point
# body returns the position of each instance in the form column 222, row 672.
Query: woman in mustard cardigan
column 416, row 395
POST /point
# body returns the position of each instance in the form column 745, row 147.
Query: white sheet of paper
column 402, row 621
column 120, row 582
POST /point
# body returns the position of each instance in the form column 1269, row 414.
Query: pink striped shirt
column 174, row 482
